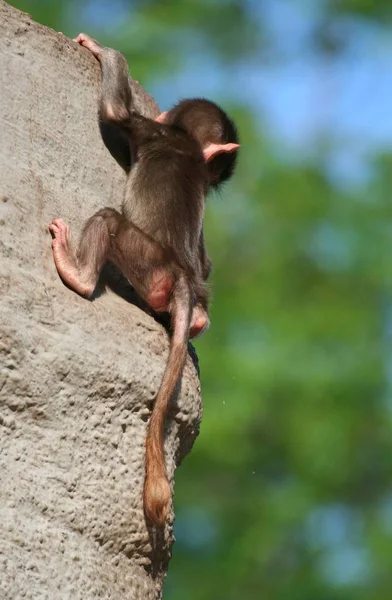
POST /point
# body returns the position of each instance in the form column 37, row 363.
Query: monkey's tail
column 157, row 491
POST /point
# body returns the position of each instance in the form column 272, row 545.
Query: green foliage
column 379, row 9
column 287, row 494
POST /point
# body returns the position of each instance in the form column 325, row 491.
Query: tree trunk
column 77, row 378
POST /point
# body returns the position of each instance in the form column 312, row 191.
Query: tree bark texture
column 77, row 378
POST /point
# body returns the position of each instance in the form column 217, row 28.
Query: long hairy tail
column 157, row 491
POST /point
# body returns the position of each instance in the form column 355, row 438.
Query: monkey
column 157, row 239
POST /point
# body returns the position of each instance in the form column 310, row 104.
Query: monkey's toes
column 60, row 232
column 58, row 226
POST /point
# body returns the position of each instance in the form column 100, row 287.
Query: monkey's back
column 165, row 193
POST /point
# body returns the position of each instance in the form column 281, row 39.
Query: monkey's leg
column 150, row 270
column 80, row 270
column 146, row 265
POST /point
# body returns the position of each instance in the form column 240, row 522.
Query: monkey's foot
column 65, row 261
column 199, row 322
column 89, row 43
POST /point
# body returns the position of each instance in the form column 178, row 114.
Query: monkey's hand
column 91, row 44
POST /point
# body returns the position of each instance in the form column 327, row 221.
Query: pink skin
column 158, row 297
column 199, row 322
column 210, row 151
column 89, row 43
column 213, row 150
column 65, row 259
column 162, row 117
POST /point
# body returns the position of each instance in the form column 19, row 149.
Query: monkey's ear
column 162, row 117
column 213, row 150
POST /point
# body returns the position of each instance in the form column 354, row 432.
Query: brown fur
column 157, row 239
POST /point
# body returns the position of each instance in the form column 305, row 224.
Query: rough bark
column 77, row 378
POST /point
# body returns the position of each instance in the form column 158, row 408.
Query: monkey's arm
column 116, row 105
column 115, row 100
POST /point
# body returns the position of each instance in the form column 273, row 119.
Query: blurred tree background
column 287, row 494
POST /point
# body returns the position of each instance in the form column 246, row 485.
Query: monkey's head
column 213, row 129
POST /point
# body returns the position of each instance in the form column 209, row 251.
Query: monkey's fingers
column 87, row 42
column 80, row 38
column 53, row 229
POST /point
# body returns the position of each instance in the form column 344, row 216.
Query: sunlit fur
column 157, row 238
